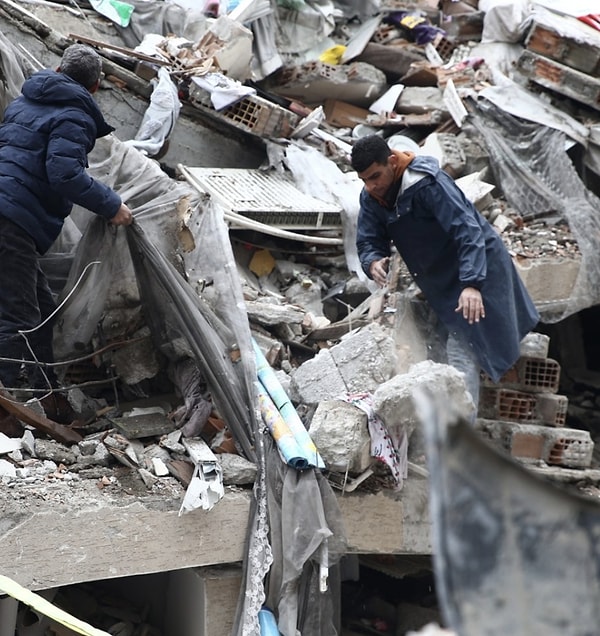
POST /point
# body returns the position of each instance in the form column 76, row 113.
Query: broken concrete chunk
column 171, row 442
column 365, row 358
column 421, row 99
column 159, row 467
column 144, row 424
column 357, row 83
column 270, row 314
column 147, row 477
column 123, row 450
column 237, row 470
column 395, row 61
column 9, row 444
column 339, row 430
column 99, row 457
column 7, row 469
column 54, row 451
column 393, row 400
column 317, row 379
column 28, row 442
column 306, row 294
column 137, row 361
column 448, row 151
column 535, row 345
column 359, row 362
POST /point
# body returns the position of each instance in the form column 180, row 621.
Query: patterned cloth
column 389, row 446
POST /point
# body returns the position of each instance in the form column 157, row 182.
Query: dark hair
column 368, row 150
column 81, row 63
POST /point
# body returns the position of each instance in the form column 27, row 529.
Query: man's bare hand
column 379, row 270
column 123, row 216
column 470, row 303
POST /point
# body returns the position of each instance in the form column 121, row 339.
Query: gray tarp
column 539, row 180
column 513, row 553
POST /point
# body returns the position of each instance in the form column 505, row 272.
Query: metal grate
column 269, row 198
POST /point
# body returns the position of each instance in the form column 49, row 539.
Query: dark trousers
column 25, row 302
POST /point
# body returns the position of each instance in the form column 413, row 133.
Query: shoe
column 58, row 409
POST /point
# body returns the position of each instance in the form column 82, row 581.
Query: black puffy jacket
column 45, row 139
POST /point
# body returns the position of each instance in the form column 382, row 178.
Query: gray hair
column 81, row 63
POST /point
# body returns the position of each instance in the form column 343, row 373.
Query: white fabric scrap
column 223, row 90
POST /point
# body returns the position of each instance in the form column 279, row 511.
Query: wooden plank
column 57, row 431
column 119, row 49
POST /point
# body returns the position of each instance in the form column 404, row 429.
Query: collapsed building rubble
column 292, row 272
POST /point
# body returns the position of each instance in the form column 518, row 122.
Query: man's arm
column 66, row 163
column 373, row 244
column 459, row 218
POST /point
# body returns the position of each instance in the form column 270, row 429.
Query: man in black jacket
column 45, row 139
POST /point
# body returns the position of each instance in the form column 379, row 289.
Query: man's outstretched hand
column 470, row 303
column 123, row 216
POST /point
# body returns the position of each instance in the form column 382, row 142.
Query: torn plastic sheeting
column 575, row 8
column 517, row 101
column 286, row 442
column 37, row 602
column 537, row 177
column 282, row 402
column 316, row 174
column 153, row 197
column 172, row 305
column 160, row 116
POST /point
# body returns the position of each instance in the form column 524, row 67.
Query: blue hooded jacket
column 45, row 139
column 448, row 245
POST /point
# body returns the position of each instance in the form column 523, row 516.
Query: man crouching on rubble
column 45, row 138
column 454, row 255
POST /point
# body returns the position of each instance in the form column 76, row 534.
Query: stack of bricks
column 529, row 415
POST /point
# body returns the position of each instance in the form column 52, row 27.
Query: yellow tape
column 37, row 602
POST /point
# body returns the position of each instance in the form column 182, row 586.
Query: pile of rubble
column 253, row 109
column 407, row 71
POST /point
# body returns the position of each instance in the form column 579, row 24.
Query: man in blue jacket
column 45, row 139
column 454, row 255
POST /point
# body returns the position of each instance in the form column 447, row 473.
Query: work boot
column 58, row 409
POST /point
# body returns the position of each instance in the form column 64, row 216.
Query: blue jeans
column 461, row 357
column 25, row 302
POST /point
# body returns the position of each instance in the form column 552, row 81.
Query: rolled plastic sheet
column 286, row 442
column 282, row 402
